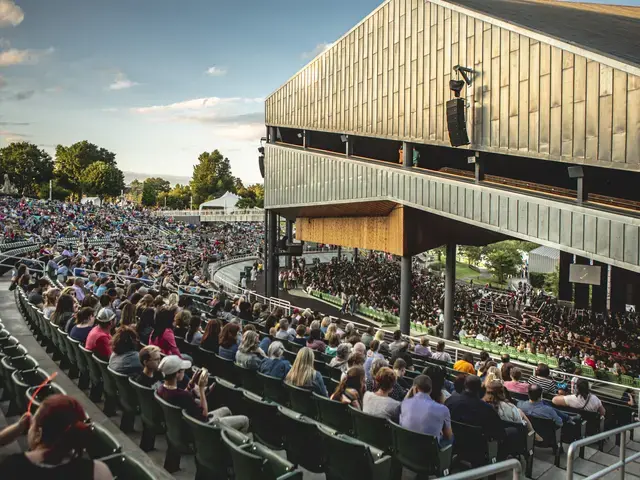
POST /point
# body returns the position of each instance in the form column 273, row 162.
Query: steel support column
column 405, row 294
column 339, row 252
column 265, row 254
column 581, row 294
column 449, row 290
column 355, row 255
column 274, row 262
column 565, row 290
column 599, row 292
column 289, row 234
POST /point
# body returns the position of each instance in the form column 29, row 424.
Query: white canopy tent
column 227, row 201
column 543, row 260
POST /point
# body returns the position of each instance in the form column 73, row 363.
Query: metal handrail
column 620, row 464
column 487, row 470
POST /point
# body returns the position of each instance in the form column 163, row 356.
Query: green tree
column 149, row 195
column 252, row 196
column 178, row 198
column 102, row 179
column 72, row 161
column 135, row 191
column 211, row 177
column 57, row 192
column 503, row 259
column 26, row 165
column 158, row 184
column 474, row 254
column 551, row 281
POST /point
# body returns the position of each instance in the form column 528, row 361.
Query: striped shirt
column 546, row 384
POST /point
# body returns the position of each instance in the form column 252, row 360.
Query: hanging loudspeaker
column 456, row 122
column 261, row 164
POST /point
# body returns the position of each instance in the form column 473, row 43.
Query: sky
column 158, row 81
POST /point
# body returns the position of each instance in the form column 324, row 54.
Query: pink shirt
column 166, row 342
column 518, row 387
column 99, row 342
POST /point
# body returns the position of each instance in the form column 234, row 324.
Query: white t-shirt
column 592, row 404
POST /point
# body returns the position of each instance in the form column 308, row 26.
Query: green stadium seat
column 334, row 414
column 8, row 365
column 370, row 429
column 472, row 446
column 264, row 422
column 123, row 467
column 301, row 400
column 179, row 437
column 70, row 354
column 83, row 366
column 301, row 440
column 95, row 375
column 102, row 443
column 248, row 379
column 43, row 393
column 151, row 415
column 128, row 400
column 420, row 453
column 273, row 389
column 110, row 387
column 22, row 381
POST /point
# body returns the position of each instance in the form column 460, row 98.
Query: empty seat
column 109, row 385
column 551, row 436
column 301, row 400
column 248, row 379
column 71, row 355
column 264, row 422
column 128, row 400
column 102, row 443
column 22, row 381
column 273, row 389
column 83, row 366
column 420, row 453
column 8, row 365
column 124, row 467
column 151, row 415
column 179, row 438
column 334, row 414
column 225, row 369
column 94, row 374
column 473, row 446
column 370, row 429
column 43, row 393
column 256, row 462
column 301, row 440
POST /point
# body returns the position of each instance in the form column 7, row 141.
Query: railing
column 620, row 464
column 206, row 212
column 488, row 470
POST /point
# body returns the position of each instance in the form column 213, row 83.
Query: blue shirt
column 421, row 414
column 540, row 410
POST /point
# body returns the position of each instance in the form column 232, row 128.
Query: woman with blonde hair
column 302, row 373
column 332, row 331
column 384, row 345
column 507, row 411
column 173, row 300
column 493, row 375
column 182, row 321
column 249, row 354
column 50, row 301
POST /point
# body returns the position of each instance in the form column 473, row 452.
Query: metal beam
column 449, row 290
column 405, row 294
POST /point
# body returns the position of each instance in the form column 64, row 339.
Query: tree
column 503, row 259
column 178, row 198
column 72, row 161
column 552, row 281
column 57, row 192
column 26, row 165
column 158, row 184
column 252, row 196
column 473, row 254
column 211, row 177
column 149, row 195
column 135, row 191
column 102, row 179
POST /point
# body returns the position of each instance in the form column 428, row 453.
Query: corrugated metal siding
column 389, row 78
column 298, row 178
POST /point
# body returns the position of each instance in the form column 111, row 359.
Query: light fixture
column 344, row 138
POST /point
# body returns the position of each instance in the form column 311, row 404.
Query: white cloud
column 320, row 48
column 121, row 82
column 198, row 104
column 3, row 82
column 4, row 43
column 216, row 71
column 110, row 110
column 10, row 14
column 13, row 56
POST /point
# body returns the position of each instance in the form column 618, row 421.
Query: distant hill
column 172, row 179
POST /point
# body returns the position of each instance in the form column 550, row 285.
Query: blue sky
column 130, row 75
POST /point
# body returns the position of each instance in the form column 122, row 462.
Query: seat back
column 94, row 370
column 208, row 360
column 301, row 440
column 373, row 430
column 14, row 351
column 346, row 458
column 226, row 394
column 334, row 414
column 225, row 369
column 44, row 392
column 8, row 365
column 102, row 443
column 70, row 351
column 248, row 379
column 273, row 389
column 264, row 422
column 124, row 467
column 150, row 411
column 178, row 435
column 595, row 422
column 472, row 445
column 547, row 429
column 82, row 364
column 419, row 452
column 110, row 386
column 126, row 393
column 23, row 380
column 301, row 400
column 211, row 453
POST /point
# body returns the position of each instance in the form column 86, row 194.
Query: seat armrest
column 583, row 429
column 530, row 442
column 558, row 434
column 297, row 475
column 381, row 468
column 445, row 455
column 492, row 450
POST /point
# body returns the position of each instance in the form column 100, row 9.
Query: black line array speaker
column 261, row 164
column 456, row 122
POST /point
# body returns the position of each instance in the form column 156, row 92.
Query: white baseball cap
column 173, row 364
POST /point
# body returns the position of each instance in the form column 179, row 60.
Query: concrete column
column 479, row 169
column 289, row 234
column 599, row 292
column 405, row 294
column 265, row 253
column 355, row 255
column 407, row 155
column 581, row 290
column 272, row 134
column 274, row 265
column 306, row 138
column 349, row 146
column 339, row 252
column 565, row 290
column 449, row 290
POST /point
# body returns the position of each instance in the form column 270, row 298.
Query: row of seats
column 20, row 379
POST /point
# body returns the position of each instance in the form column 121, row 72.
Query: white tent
column 225, row 202
column 543, row 260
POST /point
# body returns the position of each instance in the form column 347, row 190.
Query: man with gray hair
column 397, row 393
column 341, row 358
column 275, row 366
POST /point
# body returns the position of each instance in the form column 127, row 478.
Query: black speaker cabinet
column 261, row 164
column 456, row 122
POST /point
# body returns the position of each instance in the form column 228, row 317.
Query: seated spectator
column 144, row 327
column 229, row 341
column 99, row 338
column 127, row 313
column 440, row 354
column 544, row 380
column 249, row 354
column 173, row 369
column 424, row 350
column 150, row 358
column 402, row 352
column 57, row 437
column 50, row 301
column 63, row 314
column 276, row 365
column 367, row 336
column 515, row 385
column 283, row 333
column 84, row 324
column 351, row 335
column 418, row 412
column 301, row 335
column 182, row 320
column 372, row 354
column 125, row 358
column 399, row 368
column 36, row 295
column 341, row 359
column 397, row 342
column 384, row 345
column 582, row 400
column 469, row 408
column 162, row 335
column 302, row 373
column 379, row 403
column 465, row 364
column 314, row 342
column 332, row 348
column 194, row 334
column 507, row 411
column 492, row 374
column 535, row 407
column 437, row 375
column 397, row 393
column 484, row 358
column 210, row 338
column 506, row 366
column 351, row 389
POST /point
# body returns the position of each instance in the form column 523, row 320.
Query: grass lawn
column 463, row 271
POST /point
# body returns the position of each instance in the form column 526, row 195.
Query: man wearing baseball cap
column 99, row 338
column 173, row 368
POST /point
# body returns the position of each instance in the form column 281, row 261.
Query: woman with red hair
column 57, row 435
